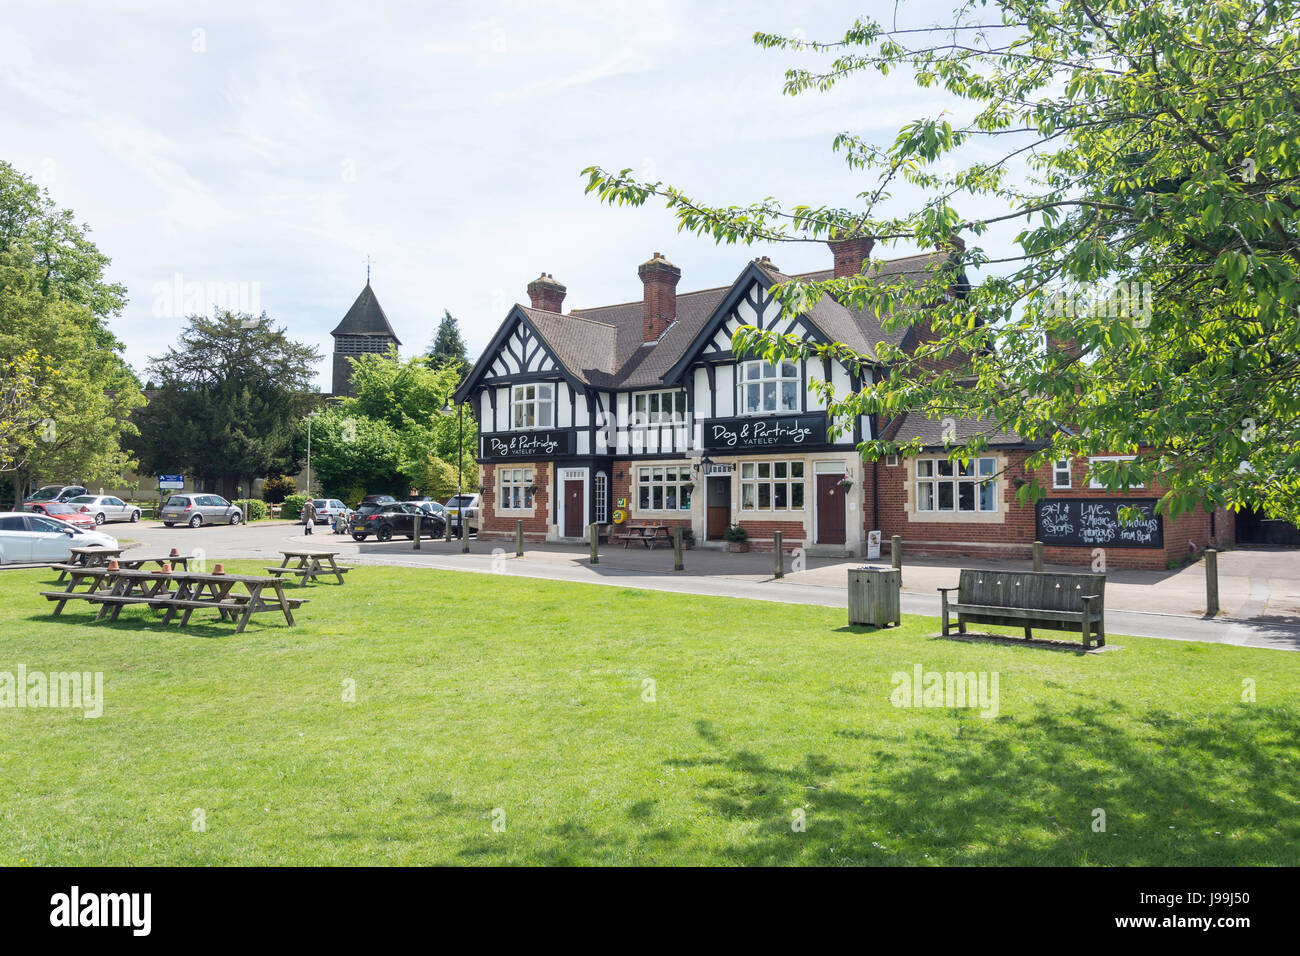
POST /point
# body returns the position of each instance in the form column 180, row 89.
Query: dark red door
column 573, row 509
column 830, row 510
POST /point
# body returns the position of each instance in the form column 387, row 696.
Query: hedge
column 255, row 509
column 291, row 509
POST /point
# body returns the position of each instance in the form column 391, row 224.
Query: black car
column 372, row 500
column 386, row 520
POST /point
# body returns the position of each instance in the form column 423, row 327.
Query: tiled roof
column 914, row 425
column 366, row 317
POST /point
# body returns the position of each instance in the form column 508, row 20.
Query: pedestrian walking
column 309, row 516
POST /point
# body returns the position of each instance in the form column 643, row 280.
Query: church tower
column 364, row 329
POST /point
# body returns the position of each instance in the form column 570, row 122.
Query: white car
column 470, row 505
column 36, row 539
column 326, row 510
column 105, row 508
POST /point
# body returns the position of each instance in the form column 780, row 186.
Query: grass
column 483, row 693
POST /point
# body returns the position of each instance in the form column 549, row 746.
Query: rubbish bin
column 873, row 596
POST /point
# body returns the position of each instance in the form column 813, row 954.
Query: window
column 765, row 387
column 1061, row 473
column 664, row 489
column 771, row 486
column 653, row 408
column 943, row 485
column 1095, row 483
column 516, row 493
column 891, row 461
column 600, row 490
column 532, row 406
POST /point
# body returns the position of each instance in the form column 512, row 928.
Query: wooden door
column 830, row 510
column 573, row 508
column 718, row 508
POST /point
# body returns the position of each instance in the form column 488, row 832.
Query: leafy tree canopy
column 1144, row 149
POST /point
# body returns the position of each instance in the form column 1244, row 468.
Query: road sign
column 171, row 482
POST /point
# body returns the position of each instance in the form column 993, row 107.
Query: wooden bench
column 1029, row 599
column 645, row 533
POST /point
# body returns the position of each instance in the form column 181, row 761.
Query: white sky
column 445, row 140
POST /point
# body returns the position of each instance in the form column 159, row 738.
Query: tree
column 448, row 346
column 25, row 395
column 1147, row 153
column 231, row 395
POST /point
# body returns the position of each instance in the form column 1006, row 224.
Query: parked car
column 52, row 493
column 429, row 506
column 326, row 509
column 470, row 506
column 387, row 520
column 195, row 510
column 27, row 538
column 373, row 500
column 105, row 508
column 65, row 512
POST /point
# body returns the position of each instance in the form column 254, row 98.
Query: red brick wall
column 504, row 526
column 623, row 488
column 760, row 534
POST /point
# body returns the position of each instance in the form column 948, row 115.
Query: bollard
column 593, row 532
column 677, row 550
column 1211, row 581
column 446, row 525
column 519, row 538
column 779, row 561
column 1038, row 555
column 415, row 540
column 896, row 552
column 464, row 533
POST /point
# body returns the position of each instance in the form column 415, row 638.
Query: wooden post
column 1211, row 581
column 1038, row 555
column 677, row 550
column 896, row 552
column 519, row 538
column 415, row 546
column 464, row 531
column 446, row 525
column 779, row 560
column 593, row 532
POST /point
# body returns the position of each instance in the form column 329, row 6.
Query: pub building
column 641, row 412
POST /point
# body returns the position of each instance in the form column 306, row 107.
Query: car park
column 65, row 512
column 470, row 507
column 196, row 510
column 105, row 508
column 28, row 538
column 386, row 521
column 52, row 493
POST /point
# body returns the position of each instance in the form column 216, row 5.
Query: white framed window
column 532, row 406
column 1061, row 474
column 765, row 387
column 891, row 461
column 666, row 488
column 1094, row 483
column 659, row 408
column 944, row 485
column 772, row 486
column 600, row 491
column 516, row 489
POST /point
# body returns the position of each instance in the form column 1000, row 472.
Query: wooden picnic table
column 310, row 565
column 90, row 558
column 647, row 534
column 175, row 560
column 77, row 575
column 188, row 591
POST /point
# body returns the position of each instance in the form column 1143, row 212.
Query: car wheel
column 358, row 537
column 384, row 534
column 135, row 516
column 236, row 518
column 99, row 518
column 196, row 521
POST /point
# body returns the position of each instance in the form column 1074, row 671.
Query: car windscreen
column 81, row 500
column 320, row 503
column 46, row 493
column 178, row 500
column 58, row 508
column 368, row 509
column 461, row 501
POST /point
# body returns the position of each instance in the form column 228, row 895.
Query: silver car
column 105, row 508
column 195, row 510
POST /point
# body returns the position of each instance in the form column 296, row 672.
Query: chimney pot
column 546, row 294
column 659, row 302
column 850, row 254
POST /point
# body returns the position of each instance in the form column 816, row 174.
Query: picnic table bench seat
column 1043, row 599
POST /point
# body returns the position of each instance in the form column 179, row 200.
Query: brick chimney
column 850, row 254
column 1069, row 348
column 659, row 305
column 546, row 294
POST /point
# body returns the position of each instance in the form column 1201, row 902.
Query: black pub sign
column 755, row 433
column 538, row 444
column 1097, row 523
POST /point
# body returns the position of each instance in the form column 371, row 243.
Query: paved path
column 1260, row 590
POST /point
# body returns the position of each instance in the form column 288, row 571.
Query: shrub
column 292, row 507
column 278, row 487
column 255, row 509
column 736, row 533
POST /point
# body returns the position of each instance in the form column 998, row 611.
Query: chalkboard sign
column 1095, row 523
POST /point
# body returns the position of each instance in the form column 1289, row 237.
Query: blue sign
column 171, row 482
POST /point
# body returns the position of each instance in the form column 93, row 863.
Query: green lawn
column 484, row 692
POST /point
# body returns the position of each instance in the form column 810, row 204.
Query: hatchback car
column 105, row 508
column 65, row 512
column 466, row 506
column 196, row 510
column 385, row 521
column 326, row 510
column 52, row 493
column 40, row 539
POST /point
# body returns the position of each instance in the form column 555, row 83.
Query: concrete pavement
column 1259, row 589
